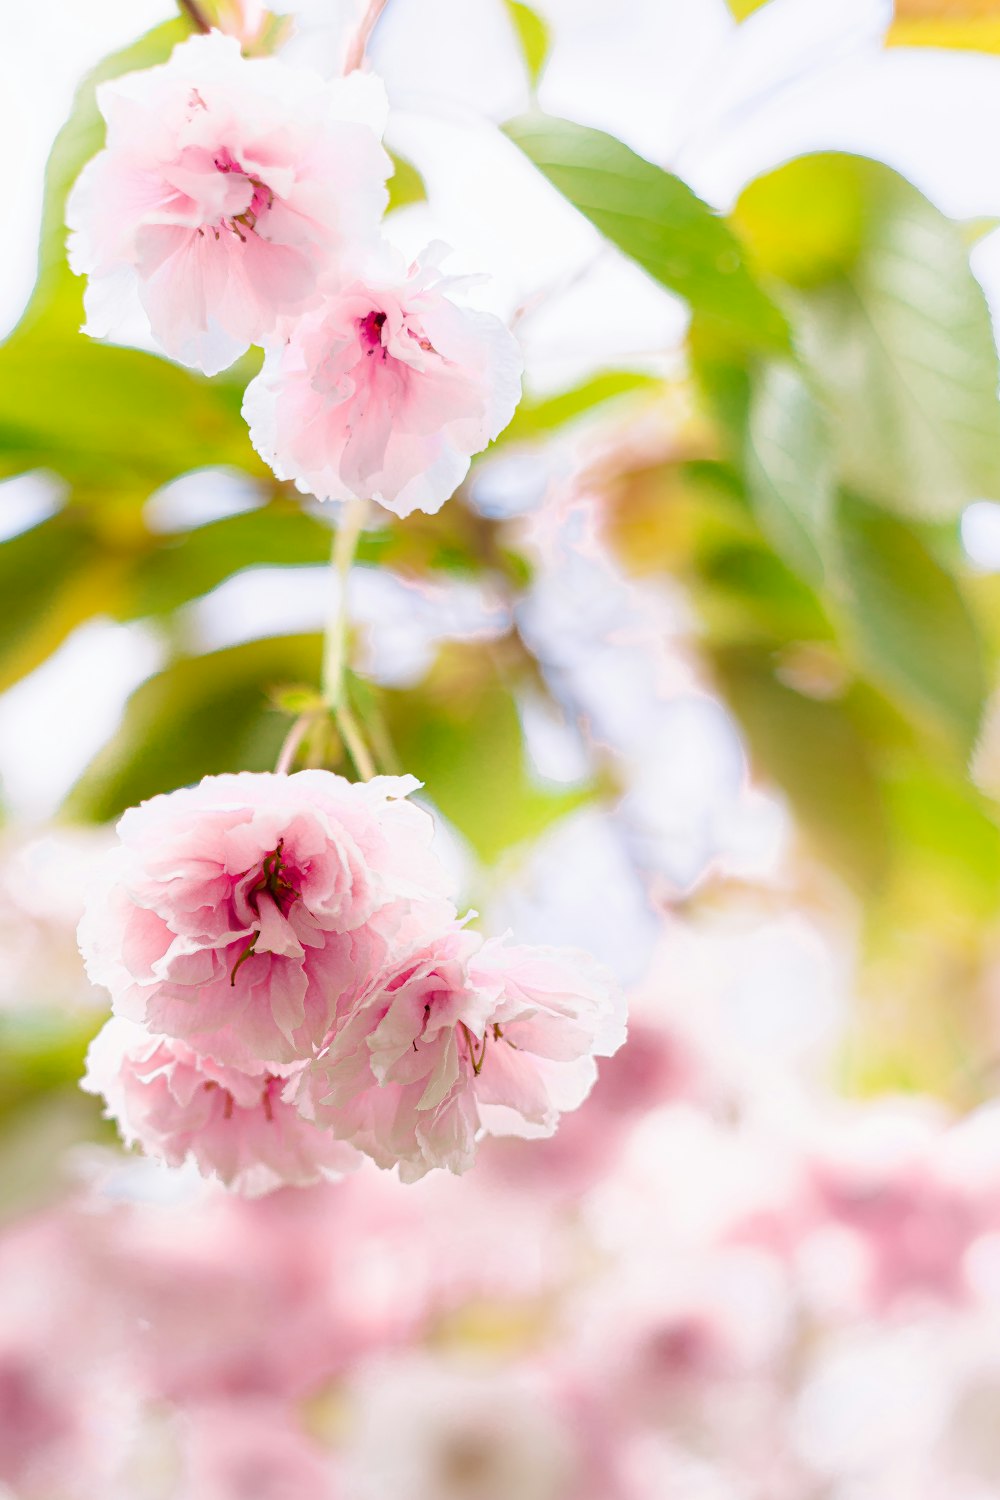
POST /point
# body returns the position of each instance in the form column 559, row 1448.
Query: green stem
column 354, row 742
column 345, row 545
column 195, row 15
column 334, row 686
column 292, row 741
column 359, row 42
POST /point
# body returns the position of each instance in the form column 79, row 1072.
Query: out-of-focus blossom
column 250, row 1450
column 240, row 914
column 42, row 880
column 655, row 1067
column 460, row 1037
column 428, row 1430
column 226, row 189
column 385, row 391
column 234, row 1125
column 908, row 1195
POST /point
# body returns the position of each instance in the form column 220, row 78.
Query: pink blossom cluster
column 292, row 986
column 237, row 202
column 632, row 1343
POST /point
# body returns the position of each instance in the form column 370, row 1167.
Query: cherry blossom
column 385, row 391
column 458, row 1038
column 227, row 187
column 233, row 1125
column 240, row 914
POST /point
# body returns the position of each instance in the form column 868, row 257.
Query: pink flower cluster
column 292, row 986
column 237, row 202
column 633, row 1342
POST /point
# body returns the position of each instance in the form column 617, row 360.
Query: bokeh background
column 698, row 672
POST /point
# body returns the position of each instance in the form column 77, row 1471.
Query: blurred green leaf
column 40, row 1052
column 656, row 219
column 406, row 184
column 532, row 35
column 537, row 418
column 789, row 465
column 52, row 578
column 914, row 630
column 746, row 593
column 200, row 715
column 189, row 564
column 974, row 230
column 894, row 325
column 103, row 416
column 460, row 733
column 814, row 751
column 970, row 25
column 949, row 844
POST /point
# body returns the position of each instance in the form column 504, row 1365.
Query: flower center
column 272, row 881
column 370, row 332
column 261, row 201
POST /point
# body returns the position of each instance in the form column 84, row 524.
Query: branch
column 356, row 51
column 195, row 15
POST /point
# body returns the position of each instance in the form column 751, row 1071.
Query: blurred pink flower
column 655, row 1067
column 239, row 914
column 226, row 188
column 233, row 1125
column 431, row 1428
column 385, row 391
column 250, row 1450
column 460, row 1037
column 914, row 1194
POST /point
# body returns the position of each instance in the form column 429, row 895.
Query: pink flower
column 239, row 915
column 226, row 188
column 250, row 1450
column 385, row 392
column 181, row 1107
column 459, row 1038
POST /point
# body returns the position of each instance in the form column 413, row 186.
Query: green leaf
column 537, row 418
column 815, row 752
column 789, row 467
column 104, row 417
column 532, row 35
column 971, row 25
column 52, row 578
column 461, row 735
column 190, row 564
column 658, row 221
column 743, row 8
column 41, row 1051
column 894, row 325
column 914, row 631
column 406, row 184
column 201, row 715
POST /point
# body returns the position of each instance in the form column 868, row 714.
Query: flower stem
column 195, row 14
column 354, row 743
column 356, row 51
column 345, row 545
column 290, row 745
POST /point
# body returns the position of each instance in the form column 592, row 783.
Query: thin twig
column 195, row 14
column 345, row 545
column 354, row 742
column 359, row 42
column 290, row 745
